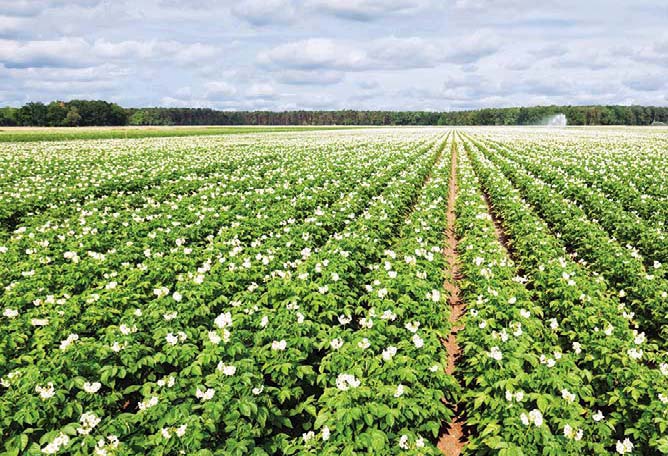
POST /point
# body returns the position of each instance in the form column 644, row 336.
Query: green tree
column 73, row 118
column 56, row 111
column 32, row 114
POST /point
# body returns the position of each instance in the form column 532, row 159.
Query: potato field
column 390, row 291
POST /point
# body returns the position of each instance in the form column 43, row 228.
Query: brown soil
column 453, row 440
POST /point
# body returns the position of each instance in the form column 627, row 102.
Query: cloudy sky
column 335, row 54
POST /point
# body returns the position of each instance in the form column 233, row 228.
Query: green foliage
column 102, row 113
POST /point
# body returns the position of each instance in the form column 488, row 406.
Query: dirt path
column 453, row 440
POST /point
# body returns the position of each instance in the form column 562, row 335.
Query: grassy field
column 27, row 134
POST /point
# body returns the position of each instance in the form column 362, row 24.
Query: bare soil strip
column 453, row 439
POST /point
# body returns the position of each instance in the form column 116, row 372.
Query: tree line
column 103, row 113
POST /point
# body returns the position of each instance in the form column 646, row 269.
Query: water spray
column 558, row 120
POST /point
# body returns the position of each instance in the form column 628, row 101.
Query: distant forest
column 101, row 113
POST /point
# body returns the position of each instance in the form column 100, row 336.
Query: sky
column 335, row 54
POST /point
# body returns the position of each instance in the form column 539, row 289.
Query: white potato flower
column 279, row 345
column 92, row 387
column 624, row 447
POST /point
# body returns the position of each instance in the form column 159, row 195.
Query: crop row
column 627, row 227
column 143, row 349
column 643, row 291
column 623, row 377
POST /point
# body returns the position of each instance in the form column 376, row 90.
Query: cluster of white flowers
column 571, row 433
column 215, row 338
column 72, row 256
column 92, row 387
column 161, row 292
column 168, row 381
column 364, row 343
column 434, row 295
column 205, row 395
column 366, row 323
column 389, row 353
column 347, row 381
column 534, row 417
column 223, row 320
column 518, row 396
column 88, row 421
column 404, row 442
column 46, row 392
column 103, row 446
column 400, row 390
column 567, row 395
column 625, row 447
column 69, row 341
column 174, row 339
column 344, row 319
column 388, row 315
column 6, row 381
column 127, row 330
column 663, row 368
column 336, row 343
column 60, row 441
column 10, row 313
column 179, row 431
column 551, row 362
column 503, row 335
column 495, row 353
column 147, row 404
column 412, row 326
column 226, row 369
column 279, row 345
column 117, row 347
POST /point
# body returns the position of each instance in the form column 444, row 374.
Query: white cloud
column 366, row 10
column 413, row 52
column 315, row 53
column 647, row 82
column 316, row 77
column 219, row 89
column 35, row 7
column 65, row 52
column 265, row 12
column 77, row 52
column 261, row 90
column 391, row 54
column 12, row 25
column 472, row 48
